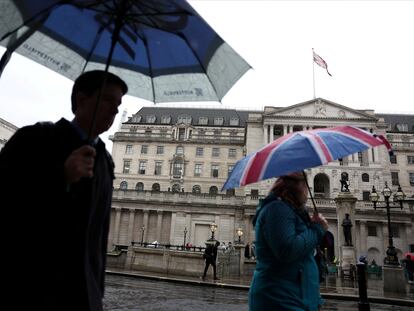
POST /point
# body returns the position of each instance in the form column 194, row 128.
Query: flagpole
column 313, row 72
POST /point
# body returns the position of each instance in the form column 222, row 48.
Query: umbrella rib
column 202, row 66
column 46, row 10
column 95, row 43
column 144, row 40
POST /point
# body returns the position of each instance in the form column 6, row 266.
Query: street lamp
column 213, row 228
column 239, row 234
column 142, row 235
column 399, row 196
column 185, row 235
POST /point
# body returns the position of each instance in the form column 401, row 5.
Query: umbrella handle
column 315, row 209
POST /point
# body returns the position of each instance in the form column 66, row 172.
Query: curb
column 345, row 297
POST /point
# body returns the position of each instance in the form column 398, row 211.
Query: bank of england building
column 171, row 164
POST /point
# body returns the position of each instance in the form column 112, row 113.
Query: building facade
column 6, row 131
column 172, row 162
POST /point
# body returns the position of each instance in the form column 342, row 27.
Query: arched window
column 365, row 177
column 176, row 188
column 123, row 185
column 156, row 187
column 321, row 185
column 196, row 189
column 213, row 190
column 139, row 186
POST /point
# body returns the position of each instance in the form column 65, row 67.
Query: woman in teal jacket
column 286, row 275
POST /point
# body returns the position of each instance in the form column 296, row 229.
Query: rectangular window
column 230, row 169
column 393, row 159
column 198, row 168
column 199, row 151
column 365, row 195
column 215, row 170
column 395, row 231
column 411, row 176
column 158, row 168
column 128, row 149
column 402, row 127
column 127, row 166
column 160, row 149
column 254, row 194
column 232, row 153
column 394, row 179
column 215, row 152
column 178, row 169
column 144, row 149
column 372, row 230
column 410, row 159
column 141, row 168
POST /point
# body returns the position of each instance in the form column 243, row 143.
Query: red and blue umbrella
column 298, row 151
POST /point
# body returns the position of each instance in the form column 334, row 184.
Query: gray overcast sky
column 368, row 46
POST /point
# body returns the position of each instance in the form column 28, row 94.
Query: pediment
column 320, row 108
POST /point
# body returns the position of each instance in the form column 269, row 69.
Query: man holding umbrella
column 59, row 220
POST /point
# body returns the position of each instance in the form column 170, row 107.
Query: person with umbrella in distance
column 286, row 275
column 210, row 257
column 59, row 221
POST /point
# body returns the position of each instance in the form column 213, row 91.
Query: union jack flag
column 320, row 61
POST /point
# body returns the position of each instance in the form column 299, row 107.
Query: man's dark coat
column 54, row 235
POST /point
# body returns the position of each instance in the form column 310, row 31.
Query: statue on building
column 347, row 225
column 344, row 182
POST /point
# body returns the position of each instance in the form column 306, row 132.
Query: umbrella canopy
column 163, row 49
column 411, row 255
column 301, row 150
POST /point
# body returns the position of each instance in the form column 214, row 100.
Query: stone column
column 172, row 230
column 117, row 224
column 345, row 204
column 409, row 238
column 130, row 237
column 363, row 236
column 376, row 155
column 385, row 237
column 272, row 138
column 284, row 129
column 265, row 138
column 159, row 225
column 145, row 223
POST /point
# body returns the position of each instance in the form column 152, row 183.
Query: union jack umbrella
column 298, row 151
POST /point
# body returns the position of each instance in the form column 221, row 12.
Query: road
column 128, row 293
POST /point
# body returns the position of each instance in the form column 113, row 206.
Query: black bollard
column 363, row 304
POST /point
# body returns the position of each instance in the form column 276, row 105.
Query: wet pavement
column 132, row 293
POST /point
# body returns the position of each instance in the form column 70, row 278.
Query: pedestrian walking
column 286, row 275
column 56, row 243
column 210, row 257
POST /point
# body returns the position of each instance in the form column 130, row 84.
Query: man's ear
column 80, row 100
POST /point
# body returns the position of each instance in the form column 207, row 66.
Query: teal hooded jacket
column 286, row 275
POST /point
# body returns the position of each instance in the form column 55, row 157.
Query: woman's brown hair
column 288, row 188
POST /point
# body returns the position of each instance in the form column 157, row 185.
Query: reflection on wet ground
column 128, row 293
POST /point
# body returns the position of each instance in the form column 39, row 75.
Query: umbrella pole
column 119, row 21
column 315, row 209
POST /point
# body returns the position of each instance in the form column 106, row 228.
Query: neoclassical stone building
column 172, row 162
column 6, row 131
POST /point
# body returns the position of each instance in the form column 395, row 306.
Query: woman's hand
column 319, row 219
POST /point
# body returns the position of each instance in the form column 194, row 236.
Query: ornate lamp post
column 185, row 235
column 239, row 234
column 399, row 196
column 213, row 228
column 142, row 235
